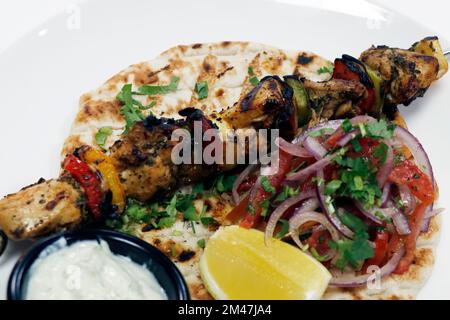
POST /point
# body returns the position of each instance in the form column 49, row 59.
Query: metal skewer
column 447, row 54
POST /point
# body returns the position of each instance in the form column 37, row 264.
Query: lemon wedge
column 236, row 264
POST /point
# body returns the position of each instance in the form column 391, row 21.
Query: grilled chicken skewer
column 139, row 165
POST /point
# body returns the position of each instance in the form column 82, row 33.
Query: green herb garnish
column 201, row 243
column 347, row 125
column 154, row 90
column 101, row 136
column 321, row 132
column 353, row 252
column 325, row 69
column 284, row 228
column 201, row 88
column 253, row 78
column 266, row 185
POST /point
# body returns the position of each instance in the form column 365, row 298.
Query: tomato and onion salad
column 350, row 194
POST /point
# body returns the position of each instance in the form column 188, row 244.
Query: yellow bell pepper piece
column 109, row 173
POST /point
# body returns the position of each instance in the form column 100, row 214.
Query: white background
column 18, row 17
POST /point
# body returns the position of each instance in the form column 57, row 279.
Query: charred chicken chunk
column 406, row 74
column 335, row 98
column 268, row 104
column 42, row 208
column 143, row 158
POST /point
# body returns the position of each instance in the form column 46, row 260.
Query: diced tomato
column 319, row 240
column 334, row 138
column 408, row 173
column 380, row 250
column 254, row 213
column 247, row 184
column 409, row 241
column 238, row 212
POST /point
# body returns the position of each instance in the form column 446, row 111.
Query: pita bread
column 225, row 66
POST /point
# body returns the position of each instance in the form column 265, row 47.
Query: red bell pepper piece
column 88, row 180
column 344, row 72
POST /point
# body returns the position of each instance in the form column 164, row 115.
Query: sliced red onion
column 427, row 218
column 310, row 204
column 351, row 281
column 433, row 213
column 407, row 198
column 348, row 137
column 254, row 189
column 373, row 214
column 399, row 220
column 385, row 170
column 362, row 119
column 401, row 223
column 244, row 174
column 294, row 149
column 314, row 147
column 425, row 225
column 300, row 176
column 332, row 125
column 329, row 209
column 385, row 195
column 299, row 219
column 418, row 152
column 281, row 209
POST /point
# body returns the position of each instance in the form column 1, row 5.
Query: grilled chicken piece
column 42, row 208
column 268, row 104
column 143, row 159
column 430, row 46
column 406, row 74
column 335, row 98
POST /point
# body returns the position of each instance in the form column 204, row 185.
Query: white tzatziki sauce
column 88, row 270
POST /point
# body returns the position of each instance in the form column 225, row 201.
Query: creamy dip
column 88, row 270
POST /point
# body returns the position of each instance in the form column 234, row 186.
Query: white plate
column 44, row 73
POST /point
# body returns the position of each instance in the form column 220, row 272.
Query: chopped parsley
column 253, row 78
column 201, row 88
column 224, row 183
column 325, row 69
column 201, row 243
column 332, row 186
column 190, row 214
column 284, row 228
column 321, row 132
column 381, row 152
column 130, row 108
column 266, row 185
column 317, row 256
column 380, row 129
column 356, row 145
column 265, row 204
column 352, row 252
column 358, row 181
column 101, row 136
column 347, row 125
column 155, row 90
column 287, row 192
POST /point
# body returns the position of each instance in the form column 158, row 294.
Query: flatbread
column 225, row 66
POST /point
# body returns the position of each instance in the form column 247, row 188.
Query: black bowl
column 165, row 271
